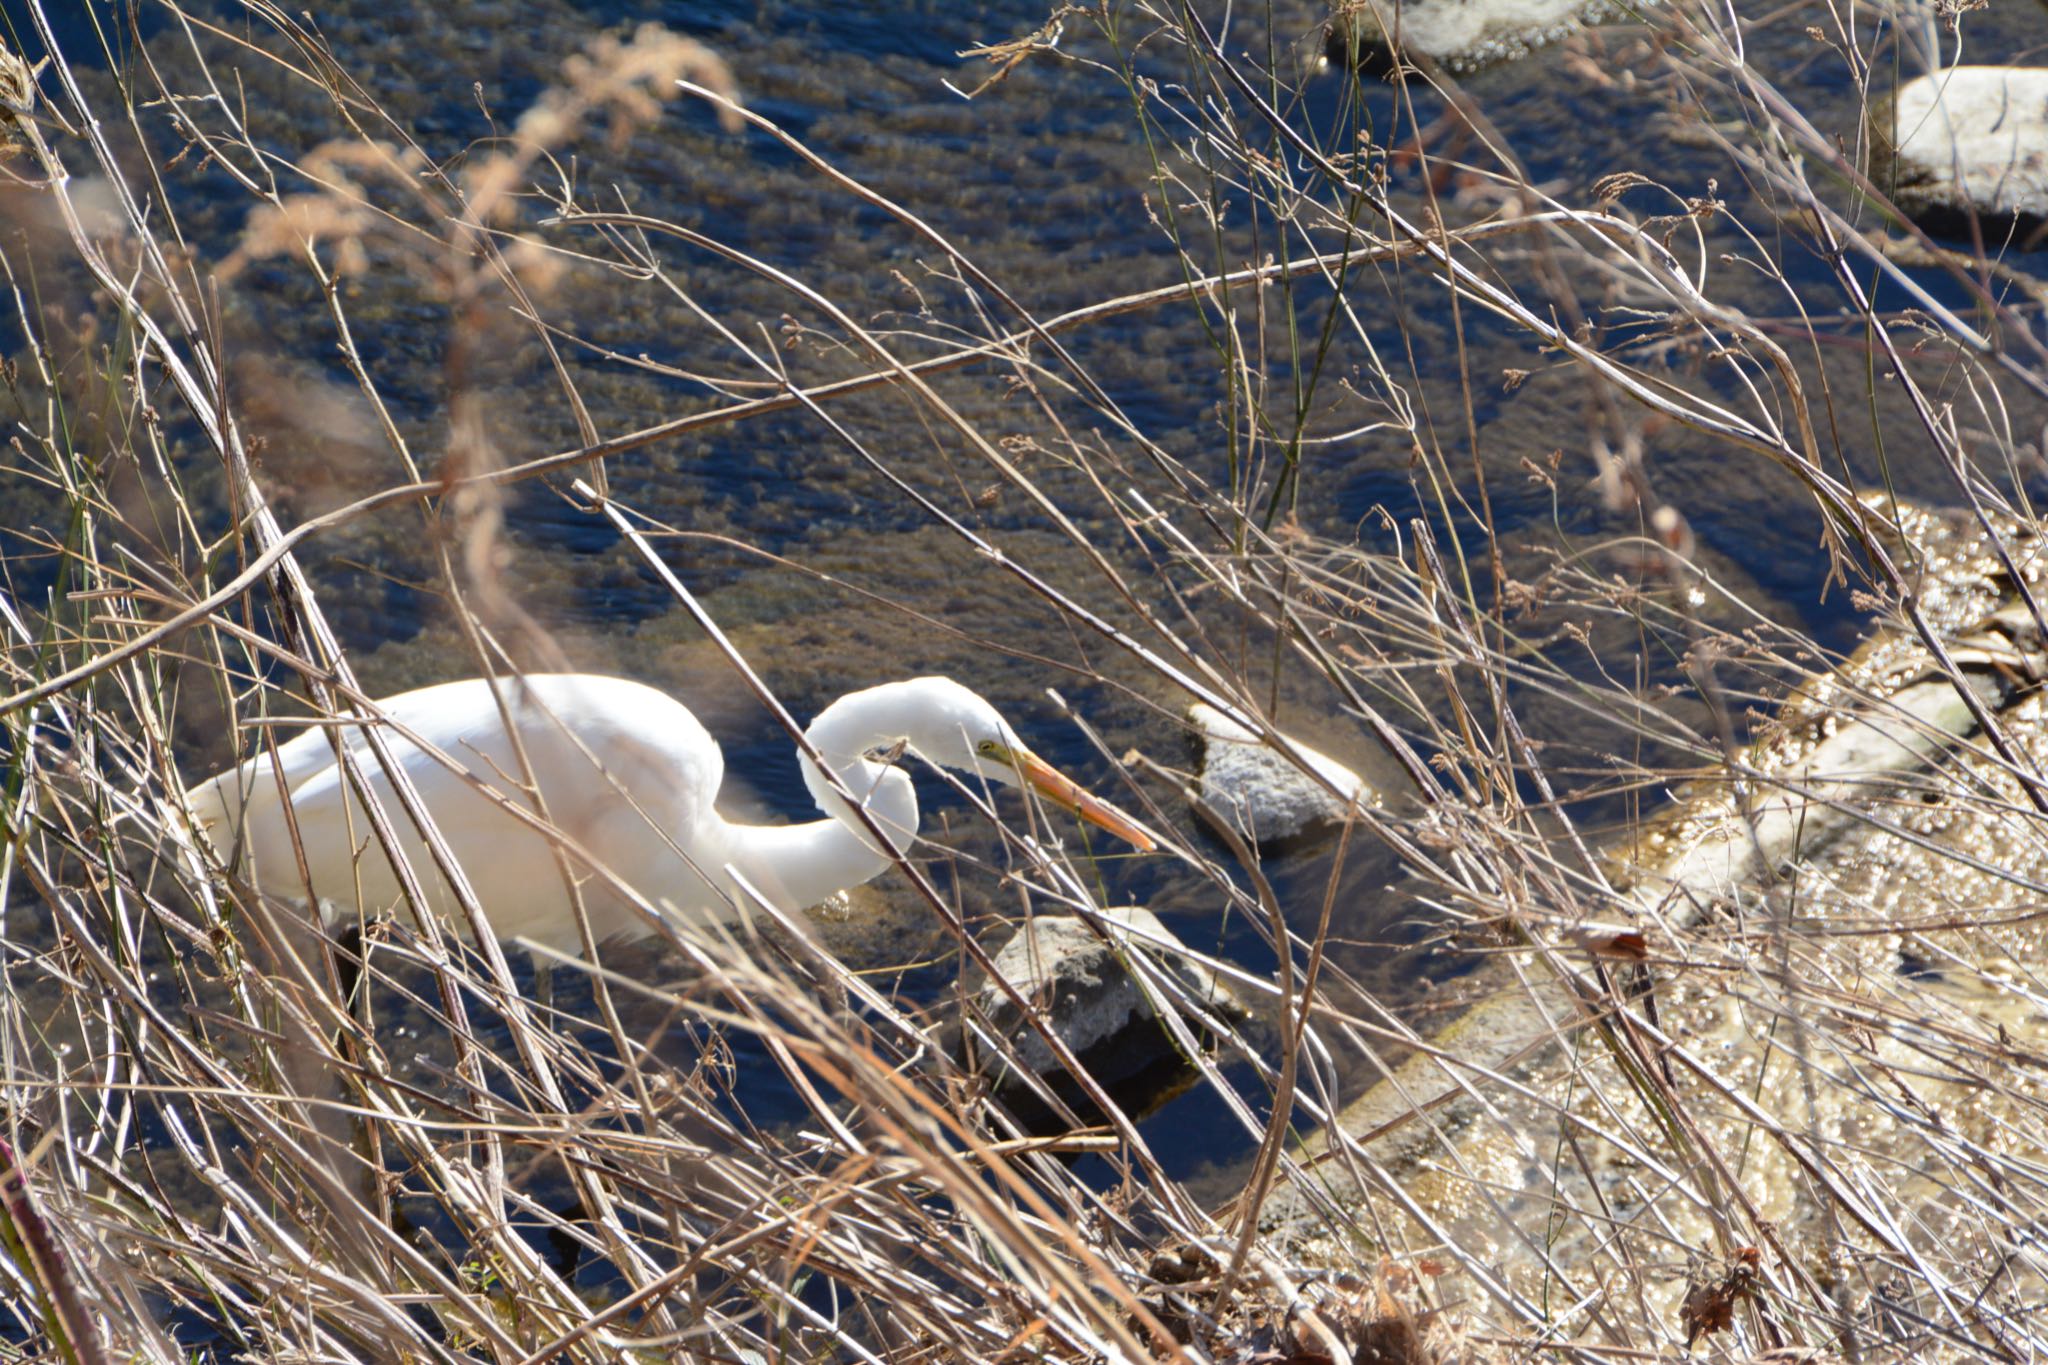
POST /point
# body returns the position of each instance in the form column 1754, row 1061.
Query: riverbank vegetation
column 1534, row 497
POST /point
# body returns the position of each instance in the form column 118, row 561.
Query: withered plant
column 1741, row 1052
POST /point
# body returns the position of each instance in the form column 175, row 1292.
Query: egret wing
column 623, row 770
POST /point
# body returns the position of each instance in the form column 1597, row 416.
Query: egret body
column 629, row 779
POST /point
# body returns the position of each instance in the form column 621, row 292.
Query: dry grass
column 1798, row 1110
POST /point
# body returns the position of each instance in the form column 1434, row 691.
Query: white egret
column 629, row 778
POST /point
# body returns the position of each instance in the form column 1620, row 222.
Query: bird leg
column 543, row 985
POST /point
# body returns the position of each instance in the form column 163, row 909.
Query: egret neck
column 800, row 865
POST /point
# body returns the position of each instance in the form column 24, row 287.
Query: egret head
column 957, row 728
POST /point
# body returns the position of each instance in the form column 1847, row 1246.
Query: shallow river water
column 1048, row 182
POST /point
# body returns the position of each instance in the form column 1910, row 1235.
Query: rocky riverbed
column 1810, row 1047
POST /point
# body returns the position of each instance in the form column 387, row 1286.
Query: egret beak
column 1056, row 787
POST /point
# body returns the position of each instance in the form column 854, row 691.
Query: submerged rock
column 1262, row 793
column 1088, row 991
column 1462, row 34
column 1967, row 141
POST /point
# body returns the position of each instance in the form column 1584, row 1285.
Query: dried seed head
column 17, row 82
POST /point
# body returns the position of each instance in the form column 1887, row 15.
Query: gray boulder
column 1086, row 987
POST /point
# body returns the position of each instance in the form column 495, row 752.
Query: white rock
column 1462, row 34
column 1262, row 793
column 1968, row 138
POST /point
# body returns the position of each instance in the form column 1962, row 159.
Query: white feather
column 629, row 779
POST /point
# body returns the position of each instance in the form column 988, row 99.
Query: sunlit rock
column 1261, row 792
column 1462, row 34
column 1096, row 994
column 1971, row 140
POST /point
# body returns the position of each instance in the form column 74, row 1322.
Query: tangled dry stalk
column 210, row 1152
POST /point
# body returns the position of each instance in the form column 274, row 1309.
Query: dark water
column 1044, row 181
